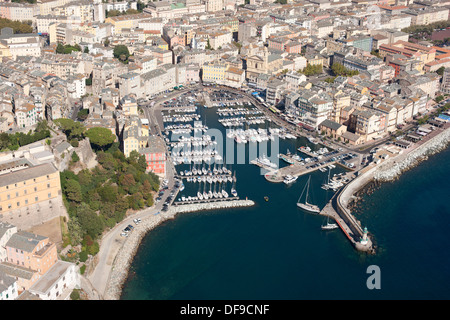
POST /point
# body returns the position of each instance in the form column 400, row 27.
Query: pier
column 227, row 204
column 337, row 209
column 180, row 203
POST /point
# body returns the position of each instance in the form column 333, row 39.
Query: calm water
column 274, row 250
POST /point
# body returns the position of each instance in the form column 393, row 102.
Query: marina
column 207, row 180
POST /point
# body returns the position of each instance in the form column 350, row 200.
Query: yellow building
column 4, row 50
column 135, row 135
column 127, row 21
column 22, row 185
column 213, row 71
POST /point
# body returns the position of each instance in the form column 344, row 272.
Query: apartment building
column 8, row 287
column 14, row 45
column 6, row 231
column 26, row 115
column 155, row 156
column 25, row 189
column 18, row 11
column 427, row 15
column 445, row 86
column 127, row 21
column 58, row 282
column 31, row 251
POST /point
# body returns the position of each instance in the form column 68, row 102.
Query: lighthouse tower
column 364, row 239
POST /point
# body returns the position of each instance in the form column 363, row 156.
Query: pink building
column 293, row 47
column 192, row 73
column 31, row 251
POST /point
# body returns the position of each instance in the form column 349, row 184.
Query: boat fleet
column 217, row 186
column 194, row 150
column 257, row 135
column 236, row 117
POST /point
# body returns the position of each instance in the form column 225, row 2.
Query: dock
column 180, row 203
column 256, row 163
column 299, row 168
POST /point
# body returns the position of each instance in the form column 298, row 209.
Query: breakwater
column 131, row 244
column 393, row 168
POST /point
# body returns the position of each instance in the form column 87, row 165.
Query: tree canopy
column 72, row 129
column 17, row 26
column 100, row 137
column 339, row 70
column 121, row 52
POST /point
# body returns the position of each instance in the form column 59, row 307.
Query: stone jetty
column 131, row 243
column 393, row 168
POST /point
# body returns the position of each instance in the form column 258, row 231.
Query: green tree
column 75, row 232
column 71, row 129
column 311, row 70
column 100, row 137
column 440, row 71
column 208, row 45
column 75, row 157
column 73, row 191
column 89, row 221
column 121, row 52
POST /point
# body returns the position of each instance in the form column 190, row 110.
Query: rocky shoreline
column 126, row 254
column 393, row 168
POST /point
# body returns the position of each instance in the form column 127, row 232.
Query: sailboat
column 305, row 205
column 199, row 194
column 233, row 188
column 326, row 186
column 329, row 226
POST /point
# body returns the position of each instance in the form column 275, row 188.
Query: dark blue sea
column 276, row 251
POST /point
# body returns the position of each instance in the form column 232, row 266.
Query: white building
column 6, row 231
column 76, row 86
column 8, row 287
column 26, row 44
column 58, row 282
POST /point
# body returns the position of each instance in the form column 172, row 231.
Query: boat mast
column 307, row 190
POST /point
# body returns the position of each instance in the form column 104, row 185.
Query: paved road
column 112, row 241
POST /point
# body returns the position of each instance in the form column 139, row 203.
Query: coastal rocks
column 125, row 255
column 392, row 169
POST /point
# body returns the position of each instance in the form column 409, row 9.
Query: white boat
column 312, row 140
column 289, row 179
column 200, row 195
column 264, row 161
column 305, row 205
column 234, row 192
column 329, row 226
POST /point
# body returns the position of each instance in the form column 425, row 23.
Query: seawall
column 394, row 167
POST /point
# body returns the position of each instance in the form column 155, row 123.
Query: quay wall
column 130, row 246
column 387, row 171
column 393, row 168
column 342, row 201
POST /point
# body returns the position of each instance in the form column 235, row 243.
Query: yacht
column 264, row 161
column 305, row 205
column 289, row 179
column 329, row 226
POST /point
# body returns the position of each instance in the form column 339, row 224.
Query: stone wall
column 393, row 168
